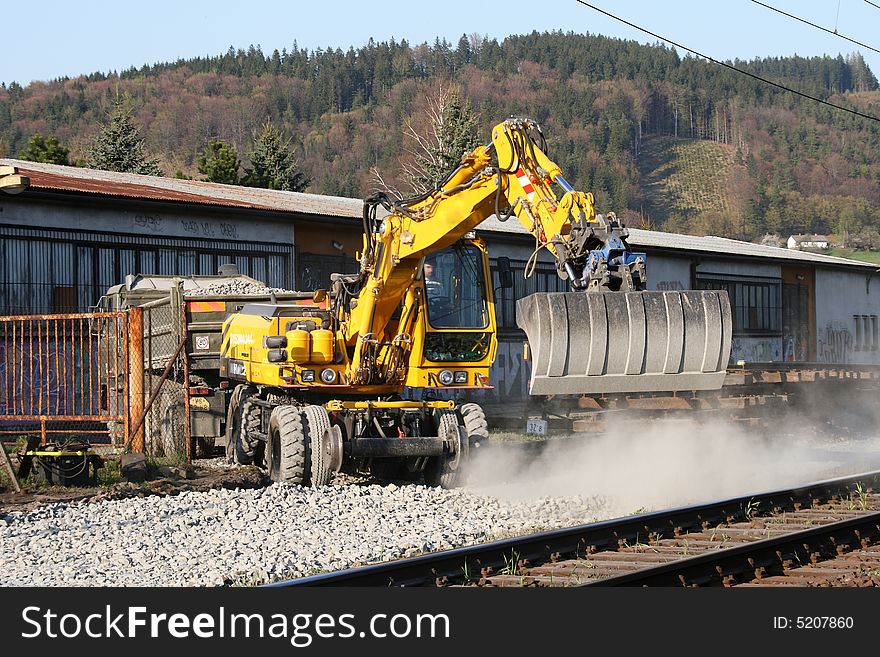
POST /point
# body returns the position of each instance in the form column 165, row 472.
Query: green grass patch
column 855, row 254
column 110, row 473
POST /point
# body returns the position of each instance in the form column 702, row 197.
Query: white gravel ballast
column 255, row 536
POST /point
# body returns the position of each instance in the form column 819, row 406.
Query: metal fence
column 117, row 380
column 65, row 377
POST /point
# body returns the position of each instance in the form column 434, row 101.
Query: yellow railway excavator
column 326, row 385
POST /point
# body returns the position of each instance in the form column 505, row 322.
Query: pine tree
column 48, row 151
column 119, row 147
column 273, row 164
column 219, row 163
column 452, row 133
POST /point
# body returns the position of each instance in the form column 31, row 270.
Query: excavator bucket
column 610, row 342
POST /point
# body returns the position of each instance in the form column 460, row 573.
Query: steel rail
column 752, row 559
column 468, row 562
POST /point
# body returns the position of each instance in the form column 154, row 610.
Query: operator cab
column 460, row 309
column 455, row 287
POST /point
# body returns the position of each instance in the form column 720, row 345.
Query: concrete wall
column 148, row 221
column 841, row 295
column 733, row 268
column 668, row 274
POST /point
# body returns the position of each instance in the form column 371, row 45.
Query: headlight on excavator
column 307, row 376
column 328, row 376
column 460, row 377
column 446, row 377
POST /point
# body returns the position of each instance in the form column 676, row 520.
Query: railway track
column 823, row 534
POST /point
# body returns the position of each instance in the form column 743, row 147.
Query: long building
column 75, row 232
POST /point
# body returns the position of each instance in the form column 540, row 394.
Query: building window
column 313, row 270
column 867, row 338
column 860, row 334
column 755, row 302
column 544, row 279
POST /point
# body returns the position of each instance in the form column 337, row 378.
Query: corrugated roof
column 130, row 185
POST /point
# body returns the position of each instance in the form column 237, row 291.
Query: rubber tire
column 239, row 449
column 251, row 421
column 286, row 447
column 437, row 470
column 475, row 426
column 315, row 423
column 232, row 418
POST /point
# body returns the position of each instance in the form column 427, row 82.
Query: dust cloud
column 657, row 464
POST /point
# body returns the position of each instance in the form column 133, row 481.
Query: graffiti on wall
column 835, row 344
column 151, row 222
column 669, row 286
column 755, row 350
column 209, row 228
column 510, row 373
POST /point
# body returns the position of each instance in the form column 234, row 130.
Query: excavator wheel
column 251, row 421
column 445, row 470
column 315, row 423
column 286, row 446
column 475, row 426
column 240, row 418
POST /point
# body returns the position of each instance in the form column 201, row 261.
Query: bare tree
column 449, row 132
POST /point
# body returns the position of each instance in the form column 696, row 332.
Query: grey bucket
column 611, row 342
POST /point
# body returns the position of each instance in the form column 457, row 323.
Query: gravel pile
column 254, row 536
column 236, row 286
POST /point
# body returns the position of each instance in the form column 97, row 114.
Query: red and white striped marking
column 526, row 184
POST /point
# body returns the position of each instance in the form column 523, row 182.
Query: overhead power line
column 818, row 27
column 731, row 67
column 872, row 4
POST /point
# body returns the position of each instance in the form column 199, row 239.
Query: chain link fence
column 159, row 382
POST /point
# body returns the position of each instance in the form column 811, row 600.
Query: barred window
column 867, row 338
column 755, row 302
column 544, row 279
column 53, row 270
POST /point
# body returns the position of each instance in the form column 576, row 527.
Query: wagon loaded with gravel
column 191, row 309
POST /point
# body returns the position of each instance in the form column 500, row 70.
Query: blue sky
column 69, row 38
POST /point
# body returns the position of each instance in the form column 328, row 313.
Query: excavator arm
column 607, row 335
